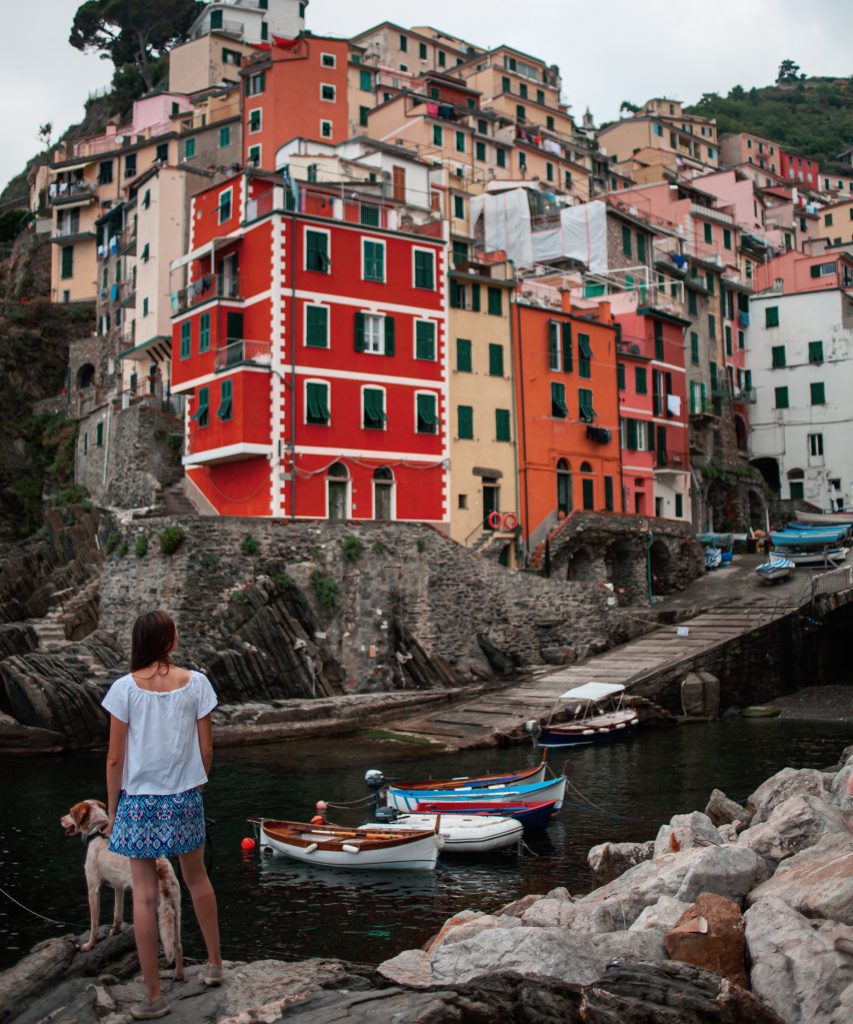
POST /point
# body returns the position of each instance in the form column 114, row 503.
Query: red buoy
column 248, row 844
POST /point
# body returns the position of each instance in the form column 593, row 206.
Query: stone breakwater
column 742, row 914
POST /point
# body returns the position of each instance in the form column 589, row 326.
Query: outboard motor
column 385, row 815
column 375, row 782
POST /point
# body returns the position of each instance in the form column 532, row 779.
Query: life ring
column 510, row 521
column 495, row 520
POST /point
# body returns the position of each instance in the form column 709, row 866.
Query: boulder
column 817, row 882
column 838, row 793
column 784, row 784
column 575, row 957
column 591, row 918
column 729, row 833
column 450, row 923
column 686, row 832
column 709, row 934
column 723, row 811
column 796, row 968
column 794, row 825
column 723, row 870
column 662, row 917
column 478, row 924
column 412, row 968
column 519, row 906
column 25, row 739
column 609, row 860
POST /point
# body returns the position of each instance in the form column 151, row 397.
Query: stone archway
column 85, row 376
column 741, row 433
column 581, row 567
column 769, row 469
column 624, row 566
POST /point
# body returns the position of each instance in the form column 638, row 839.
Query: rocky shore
column 743, row 913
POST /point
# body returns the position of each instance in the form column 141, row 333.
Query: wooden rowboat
column 365, row 847
column 524, row 775
column 553, row 789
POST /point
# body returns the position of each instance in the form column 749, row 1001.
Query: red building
column 567, row 413
column 294, row 87
column 799, row 170
column 310, row 341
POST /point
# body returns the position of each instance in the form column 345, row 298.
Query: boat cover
column 592, row 691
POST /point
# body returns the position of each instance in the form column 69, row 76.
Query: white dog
column 89, row 819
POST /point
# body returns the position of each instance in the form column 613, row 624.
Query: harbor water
column 275, row 908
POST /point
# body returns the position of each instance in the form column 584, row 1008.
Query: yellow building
column 690, row 140
column 482, row 432
column 835, row 223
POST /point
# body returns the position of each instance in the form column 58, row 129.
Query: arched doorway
column 587, row 487
column 383, row 494
column 620, row 562
column 796, row 486
column 86, row 376
column 741, row 433
column 769, row 469
column 581, row 567
column 338, row 484
column 564, row 487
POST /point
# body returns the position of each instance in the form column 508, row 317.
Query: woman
column 161, row 747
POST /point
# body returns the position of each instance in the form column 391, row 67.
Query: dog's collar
column 90, row 837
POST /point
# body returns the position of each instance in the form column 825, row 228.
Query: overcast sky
column 608, row 52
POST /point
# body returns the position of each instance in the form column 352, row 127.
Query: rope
column 50, row 920
column 587, row 803
column 361, row 802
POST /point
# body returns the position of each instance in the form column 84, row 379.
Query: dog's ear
column 101, row 804
column 80, row 813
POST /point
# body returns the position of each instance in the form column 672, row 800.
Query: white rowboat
column 360, row 848
column 461, row 833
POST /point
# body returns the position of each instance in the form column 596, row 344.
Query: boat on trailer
column 361, row 848
column 460, row 833
column 590, row 721
column 552, row 790
column 776, row 570
column 828, row 557
column 531, row 814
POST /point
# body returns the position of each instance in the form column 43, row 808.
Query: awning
column 73, row 167
column 84, row 201
column 592, row 691
column 484, row 472
column 196, row 254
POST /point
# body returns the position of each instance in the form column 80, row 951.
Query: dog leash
column 35, row 913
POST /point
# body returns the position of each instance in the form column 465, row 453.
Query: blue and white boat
column 408, row 799
column 775, row 570
column 810, row 538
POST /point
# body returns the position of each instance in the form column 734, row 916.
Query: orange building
column 567, row 405
column 294, row 87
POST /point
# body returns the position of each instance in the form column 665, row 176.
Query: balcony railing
column 210, row 287
column 240, row 351
column 63, row 191
column 745, row 395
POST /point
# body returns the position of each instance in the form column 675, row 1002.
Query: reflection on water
column 273, row 907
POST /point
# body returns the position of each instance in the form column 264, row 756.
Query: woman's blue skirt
column 158, row 826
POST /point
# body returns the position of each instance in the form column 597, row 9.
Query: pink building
column 800, row 273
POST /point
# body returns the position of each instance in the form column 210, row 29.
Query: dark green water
column 280, row 909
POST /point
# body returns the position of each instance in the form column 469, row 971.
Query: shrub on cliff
column 353, row 548
column 326, row 590
column 140, row 549
column 250, row 546
column 170, row 539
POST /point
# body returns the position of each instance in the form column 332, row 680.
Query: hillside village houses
column 391, row 277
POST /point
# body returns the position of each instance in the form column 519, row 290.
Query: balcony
column 746, row 396
column 670, row 462
column 209, row 288
column 242, row 352
column 62, row 192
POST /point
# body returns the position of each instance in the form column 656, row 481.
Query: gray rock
column 729, row 833
column 818, row 882
column 412, row 967
column 784, row 784
column 609, row 860
column 591, row 918
column 838, row 794
column 723, row 870
column 519, row 906
column 686, row 832
column 661, row 917
column 796, row 968
column 794, row 825
column 723, row 811
column 574, row 957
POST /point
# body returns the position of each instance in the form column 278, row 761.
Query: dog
column 88, row 819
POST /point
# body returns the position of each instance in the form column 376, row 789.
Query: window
column 522, row 91
column 495, row 302
column 771, row 316
column 317, row 326
column 426, row 413
column 425, row 347
column 226, row 403
column 202, row 414
column 465, row 423
column 796, row 489
column 463, row 355
column 459, row 207
column 232, row 57
column 727, row 238
column 641, row 247
column 588, row 491
column 404, row 44
column 827, row 220
column 225, row 205
column 373, row 409
column 225, row 137
column 317, row 403
column 422, row 51
column 658, row 327
column 256, row 118
column 626, row 241
column 608, row 493
column 815, row 442
column 691, row 303
column 549, row 171
column 709, row 232
column 502, row 432
column 328, row 60
column 363, row 114
column 818, row 393
column 496, row 360
column 130, row 165
column 144, row 310
column 437, row 135
column 254, row 156
column 99, row 435
column 186, row 339
column 326, row 129
column 584, row 356
column 460, row 142
column 317, row 251
column 215, row 20
column 442, row 58
column 520, row 113
column 67, row 264
column 163, row 153
column 506, row 84
column 85, row 444
column 374, row 334
column 657, row 129
column 500, row 156
column 189, row 149
column 480, row 151
column 587, row 413
column 365, row 81
column 105, row 172
column 559, row 409
column 778, row 354
column 522, row 161
column 327, row 92
column 781, row 398
column 815, row 351
column 679, row 506
column 204, row 332
column 372, row 260
column 728, row 334
column 424, row 269
column 712, row 326
column 641, row 380
column 256, row 84
column 694, row 347
column 823, row 269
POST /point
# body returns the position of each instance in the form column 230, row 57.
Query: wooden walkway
column 502, row 714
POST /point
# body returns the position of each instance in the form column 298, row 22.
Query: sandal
column 213, row 975
column 150, row 1009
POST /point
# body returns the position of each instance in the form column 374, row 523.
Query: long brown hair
column 153, row 636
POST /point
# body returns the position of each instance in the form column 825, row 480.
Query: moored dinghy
column 529, row 813
column 517, row 778
column 365, row 847
column 460, row 833
column 554, row 789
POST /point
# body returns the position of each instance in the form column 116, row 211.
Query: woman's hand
column 108, row 828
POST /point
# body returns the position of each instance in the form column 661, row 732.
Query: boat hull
column 830, row 557
column 599, row 729
column 410, row 854
column 827, row 518
column 408, row 800
column 530, row 814
column 462, row 833
column 527, row 776
column 775, row 570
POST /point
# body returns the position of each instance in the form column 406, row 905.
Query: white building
column 252, row 21
column 800, row 356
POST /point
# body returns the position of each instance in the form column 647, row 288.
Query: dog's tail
column 169, row 910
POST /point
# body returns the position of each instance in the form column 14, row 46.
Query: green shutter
column 204, row 332
column 316, row 400
column 495, row 301
column 203, row 411
column 566, row 339
column 728, row 333
column 587, row 412
column 374, row 408
column 426, row 414
column 424, row 340
column 317, row 326
column 818, row 393
column 694, row 347
column 559, row 409
column 584, row 356
column 359, row 332
column 186, row 339
column 781, row 398
column 225, row 137
column 464, row 362
column 641, row 249
column 465, row 423
column 224, row 412
column 502, row 432
column 631, row 442
column 641, row 381
column 608, row 482
column 712, row 325
column 317, row 251
column 460, row 142
column 691, row 303
column 553, row 345
column 374, row 261
column 626, row 241
column 437, row 135
column 620, row 376
column 778, row 354
column 496, row 360
column 67, row 261
column 650, row 434
column 815, row 351
column 146, row 199
column 475, row 298
column 771, row 316
column 146, row 252
column 389, row 335
column 424, row 272
column 588, row 488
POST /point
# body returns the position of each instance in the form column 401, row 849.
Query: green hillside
column 810, row 116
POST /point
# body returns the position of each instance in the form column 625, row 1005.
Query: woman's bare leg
column 143, row 872
column 204, row 901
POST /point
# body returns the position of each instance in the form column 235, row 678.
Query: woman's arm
column 205, row 742
column 115, row 766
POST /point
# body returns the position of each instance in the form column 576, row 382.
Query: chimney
column 565, row 300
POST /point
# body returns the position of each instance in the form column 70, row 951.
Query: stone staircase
column 50, row 630
column 175, row 502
